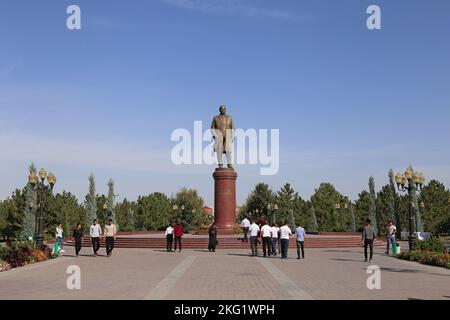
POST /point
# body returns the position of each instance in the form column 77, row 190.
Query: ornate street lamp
column 341, row 206
column 40, row 186
column 411, row 182
column 179, row 210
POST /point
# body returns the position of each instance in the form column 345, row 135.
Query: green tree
column 436, row 210
column 29, row 217
column 91, row 203
column 373, row 208
column 13, row 210
column 153, row 211
column 64, row 208
column 288, row 201
column 193, row 214
column 3, row 216
column 362, row 208
column 392, row 198
column 352, row 221
column 125, row 212
column 110, row 202
column 383, row 205
column 259, row 198
column 312, row 224
column 102, row 208
column 324, row 201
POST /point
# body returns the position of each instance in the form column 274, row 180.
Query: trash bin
column 56, row 249
column 396, row 249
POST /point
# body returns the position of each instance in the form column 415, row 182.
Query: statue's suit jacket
column 228, row 136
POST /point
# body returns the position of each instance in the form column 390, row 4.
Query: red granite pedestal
column 225, row 200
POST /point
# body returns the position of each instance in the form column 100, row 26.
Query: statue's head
column 223, row 110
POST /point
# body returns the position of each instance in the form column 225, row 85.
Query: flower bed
column 431, row 252
column 19, row 254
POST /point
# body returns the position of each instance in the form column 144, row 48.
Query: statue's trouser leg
column 219, row 151
column 228, row 154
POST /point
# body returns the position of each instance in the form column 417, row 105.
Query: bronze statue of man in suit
column 222, row 129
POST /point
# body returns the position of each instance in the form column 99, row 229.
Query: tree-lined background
column 326, row 211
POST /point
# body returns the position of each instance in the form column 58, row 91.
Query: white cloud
column 229, row 7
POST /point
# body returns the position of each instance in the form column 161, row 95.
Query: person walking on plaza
column 265, row 236
column 212, row 232
column 78, row 237
column 59, row 237
column 368, row 237
column 254, row 230
column 300, row 232
column 285, row 233
column 95, row 233
column 274, row 231
column 110, row 235
column 245, row 225
column 390, row 236
column 169, row 238
column 178, row 231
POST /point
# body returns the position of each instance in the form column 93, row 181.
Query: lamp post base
column 411, row 239
column 39, row 241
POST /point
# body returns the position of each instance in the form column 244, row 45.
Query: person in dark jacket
column 212, row 237
column 368, row 237
column 78, row 237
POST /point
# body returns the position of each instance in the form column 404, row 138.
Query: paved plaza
column 225, row 274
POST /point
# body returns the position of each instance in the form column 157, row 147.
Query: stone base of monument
column 225, row 200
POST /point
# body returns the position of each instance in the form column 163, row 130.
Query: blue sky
column 349, row 102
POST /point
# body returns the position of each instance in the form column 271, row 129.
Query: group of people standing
column 95, row 233
column 272, row 238
column 176, row 232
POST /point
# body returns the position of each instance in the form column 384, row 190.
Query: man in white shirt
column 95, row 232
column 59, row 237
column 390, row 236
column 274, row 231
column 285, row 232
column 265, row 235
column 245, row 225
column 169, row 238
column 253, row 230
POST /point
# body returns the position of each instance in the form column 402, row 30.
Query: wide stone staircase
column 157, row 241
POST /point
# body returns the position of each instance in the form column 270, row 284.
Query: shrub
column 427, row 257
column 202, row 229
column 4, row 266
column 18, row 257
column 3, row 252
column 39, row 255
column 237, row 229
column 16, row 245
column 433, row 245
column 48, row 252
column 128, row 229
